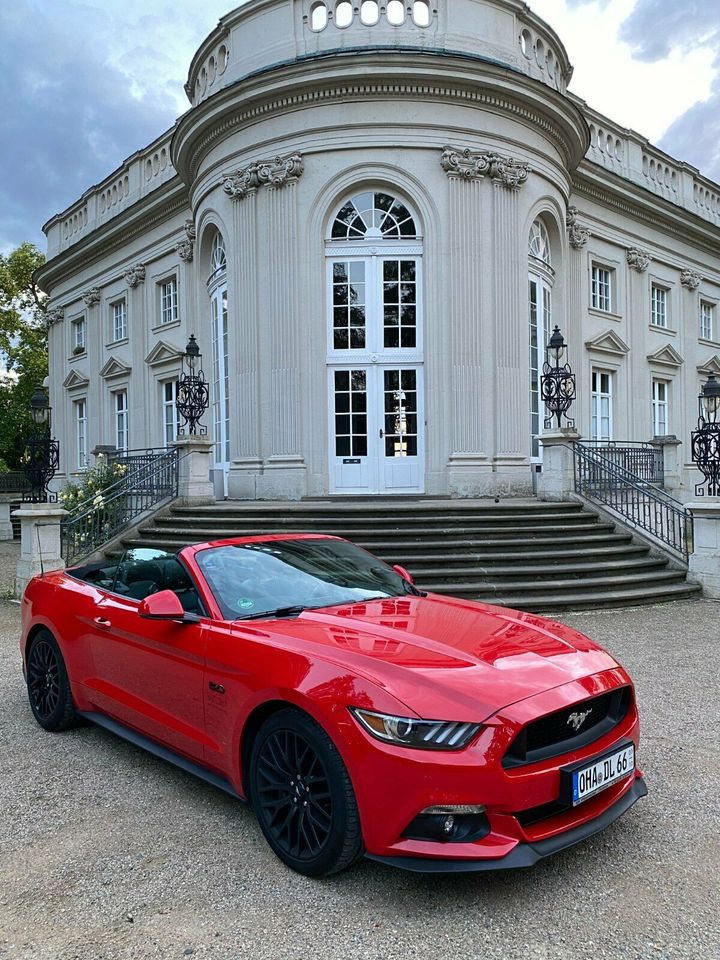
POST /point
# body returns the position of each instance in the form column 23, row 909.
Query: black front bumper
column 524, row 854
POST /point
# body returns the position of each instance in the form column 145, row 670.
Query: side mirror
column 403, row 573
column 163, row 605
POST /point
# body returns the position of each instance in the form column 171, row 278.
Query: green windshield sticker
column 245, row 602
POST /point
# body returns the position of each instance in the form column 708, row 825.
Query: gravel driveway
column 108, row 853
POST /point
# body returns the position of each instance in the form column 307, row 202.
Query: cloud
column 84, row 85
column 654, row 29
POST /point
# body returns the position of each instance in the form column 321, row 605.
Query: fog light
column 459, row 823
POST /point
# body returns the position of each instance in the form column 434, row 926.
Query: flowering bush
column 92, row 487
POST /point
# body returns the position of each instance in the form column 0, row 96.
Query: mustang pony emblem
column 579, row 718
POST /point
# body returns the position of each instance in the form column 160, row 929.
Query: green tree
column 23, row 344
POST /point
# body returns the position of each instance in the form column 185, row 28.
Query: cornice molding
column 628, row 198
column 500, row 89
column 477, row 164
column 136, row 220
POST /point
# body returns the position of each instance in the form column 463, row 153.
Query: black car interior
column 141, row 573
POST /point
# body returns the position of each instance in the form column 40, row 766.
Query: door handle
column 102, row 622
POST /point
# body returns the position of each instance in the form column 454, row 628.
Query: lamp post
column 706, row 439
column 41, row 458
column 557, row 384
column 193, row 393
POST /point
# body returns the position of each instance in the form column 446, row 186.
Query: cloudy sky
column 85, row 83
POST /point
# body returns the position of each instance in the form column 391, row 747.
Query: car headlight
column 422, row 734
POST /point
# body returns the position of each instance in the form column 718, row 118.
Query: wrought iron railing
column 637, row 500
column 644, row 460
column 100, row 518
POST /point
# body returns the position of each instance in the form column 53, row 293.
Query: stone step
column 484, row 572
column 596, row 554
column 533, row 585
column 392, row 506
column 556, row 601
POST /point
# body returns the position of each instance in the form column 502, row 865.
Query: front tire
column 302, row 796
column 48, row 685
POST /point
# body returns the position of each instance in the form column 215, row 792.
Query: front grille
column 555, row 734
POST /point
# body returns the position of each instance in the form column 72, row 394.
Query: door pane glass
column 400, row 413
column 350, row 429
column 348, row 297
column 400, row 303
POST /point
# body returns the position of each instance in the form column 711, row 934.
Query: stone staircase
column 518, row 553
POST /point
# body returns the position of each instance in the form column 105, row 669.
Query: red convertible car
column 354, row 712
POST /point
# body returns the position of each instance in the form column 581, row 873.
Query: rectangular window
column 171, row 426
column 660, row 391
column 168, row 301
column 707, row 320
column 659, row 313
column 601, row 293
column 81, row 433
column 121, row 420
column 119, row 320
column 78, row 335
column 601, row 405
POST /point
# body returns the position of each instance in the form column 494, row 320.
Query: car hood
column 465, row 658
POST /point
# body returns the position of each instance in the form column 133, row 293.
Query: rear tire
column 48, row 685
column 302, row 796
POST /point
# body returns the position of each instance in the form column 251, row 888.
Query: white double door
column 375, row 374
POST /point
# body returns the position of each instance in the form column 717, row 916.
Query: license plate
column 591, row 778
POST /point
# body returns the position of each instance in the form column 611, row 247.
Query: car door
column 149, row 674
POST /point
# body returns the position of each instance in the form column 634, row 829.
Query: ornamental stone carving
column 690, row 279
column 638, row 260
column 578, row 236
column 92, row 296
column 135, row 275
column 476, row 164
column 272, row 173
column 54, row 316
column 185, row 249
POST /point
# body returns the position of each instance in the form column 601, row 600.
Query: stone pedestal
column 40, row 547
column 557, row 480
column 704, row 563
column 672, row 464
column 6, row 530
column 194, row 484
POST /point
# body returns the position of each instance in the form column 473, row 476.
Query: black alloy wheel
column 48, row 685
column 303, row 797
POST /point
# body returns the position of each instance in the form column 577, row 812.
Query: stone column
column 672, row 464
column 40, row 543
column 557, row 480
column 704, row 562
column 6, row 530
column 194, row 484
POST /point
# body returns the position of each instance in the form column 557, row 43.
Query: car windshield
column 250, row 579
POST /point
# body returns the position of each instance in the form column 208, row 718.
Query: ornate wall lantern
column 557, row 384
column 41, row 458
column 706, row 439
column 193, row 394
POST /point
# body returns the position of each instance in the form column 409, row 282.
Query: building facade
column 371, row 217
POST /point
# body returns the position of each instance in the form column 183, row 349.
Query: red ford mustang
column 355, row 713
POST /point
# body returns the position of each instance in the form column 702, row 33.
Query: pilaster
column 40, row 542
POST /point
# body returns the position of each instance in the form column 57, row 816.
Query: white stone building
column 370, row 217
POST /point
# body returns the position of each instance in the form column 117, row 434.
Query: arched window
column 540, row 277
column 539, row 243
column 373, row 216
column 375, row 360
column 218, row 257
column 220, row 386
